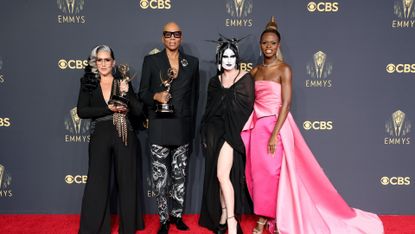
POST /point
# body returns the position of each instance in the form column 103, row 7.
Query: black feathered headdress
column 224, row 43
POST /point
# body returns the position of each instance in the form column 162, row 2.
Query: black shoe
column 164, row 228
column 179, row 223
column 221, row 229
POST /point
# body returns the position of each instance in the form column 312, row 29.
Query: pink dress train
column 306, row 201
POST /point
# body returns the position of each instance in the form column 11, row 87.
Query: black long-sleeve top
column 92, row 105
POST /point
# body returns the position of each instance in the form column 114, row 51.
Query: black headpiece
column 224, row 43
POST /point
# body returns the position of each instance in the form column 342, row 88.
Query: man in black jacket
column 172, row 129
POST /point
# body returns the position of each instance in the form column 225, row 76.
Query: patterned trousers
column 169, row 168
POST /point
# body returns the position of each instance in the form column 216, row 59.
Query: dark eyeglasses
column 175, row 34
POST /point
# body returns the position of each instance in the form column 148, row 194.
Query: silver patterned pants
column 169, row 174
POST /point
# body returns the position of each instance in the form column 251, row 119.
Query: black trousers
column 106, row 149
column 169, row 176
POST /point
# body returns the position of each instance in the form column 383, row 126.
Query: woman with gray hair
column 108, row 147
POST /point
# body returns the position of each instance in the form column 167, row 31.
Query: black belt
column 106, row 118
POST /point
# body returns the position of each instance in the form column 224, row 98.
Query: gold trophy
column 119, row 98
column 166, row 82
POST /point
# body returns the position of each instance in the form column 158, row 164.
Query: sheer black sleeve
column 239, row 106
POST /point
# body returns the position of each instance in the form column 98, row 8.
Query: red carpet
column 68, row 224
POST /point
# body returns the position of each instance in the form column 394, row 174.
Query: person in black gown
column 229, row 104
column 107, row 149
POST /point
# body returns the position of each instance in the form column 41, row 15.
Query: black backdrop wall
column 354, row 74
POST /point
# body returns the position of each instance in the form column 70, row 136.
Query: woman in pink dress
column 286, row 183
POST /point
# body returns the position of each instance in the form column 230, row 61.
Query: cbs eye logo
column 5, row 122
column 77, row 179
column 395, row 180
column 72, row 64
column 400, row 68
column 318, row 125
column 323, row 7
column 155, row 4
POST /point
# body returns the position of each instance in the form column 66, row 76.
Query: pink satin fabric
column 307, row 202
column 263, row 168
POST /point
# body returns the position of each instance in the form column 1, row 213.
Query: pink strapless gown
column 307, row 203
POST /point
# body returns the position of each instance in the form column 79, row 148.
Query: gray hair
column 93, row 56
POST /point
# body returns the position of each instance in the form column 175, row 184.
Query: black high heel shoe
column 222, row 228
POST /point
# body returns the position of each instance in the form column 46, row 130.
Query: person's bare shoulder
column 285, row 70
column 254, row 71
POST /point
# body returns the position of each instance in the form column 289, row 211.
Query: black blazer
column 91, row 104
column 177, row 128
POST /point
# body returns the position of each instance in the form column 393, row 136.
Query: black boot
column 164, row 228
column 179, row 223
